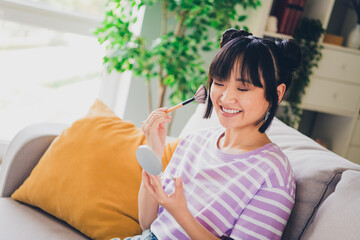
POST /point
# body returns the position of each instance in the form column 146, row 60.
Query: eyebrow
column 243, row 80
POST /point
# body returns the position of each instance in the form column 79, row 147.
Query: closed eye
column 243, row 90
column 218, row 84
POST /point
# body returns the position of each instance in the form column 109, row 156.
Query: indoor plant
column 307, row 35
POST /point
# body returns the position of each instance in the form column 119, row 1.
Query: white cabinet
column 334, row 90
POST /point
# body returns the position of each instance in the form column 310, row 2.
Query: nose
column 228, row 96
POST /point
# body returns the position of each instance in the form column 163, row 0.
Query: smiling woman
column 230, row 182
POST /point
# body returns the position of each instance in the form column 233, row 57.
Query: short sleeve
column 265, row 216
column 169, row 151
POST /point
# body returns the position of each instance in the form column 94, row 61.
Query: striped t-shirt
column 243, row 196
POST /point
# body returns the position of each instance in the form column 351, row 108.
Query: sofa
column 327, row 192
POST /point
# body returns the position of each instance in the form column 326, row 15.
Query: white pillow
column 197, row 122
column 339, row 215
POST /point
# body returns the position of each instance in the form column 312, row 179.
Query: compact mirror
column 148, row 160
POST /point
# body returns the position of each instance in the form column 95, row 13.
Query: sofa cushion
column 24, row 222
column 338, row 217
column 316, row 169
column 89, row 176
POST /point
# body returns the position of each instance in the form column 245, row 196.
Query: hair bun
column 290, row 53
column 232, row 33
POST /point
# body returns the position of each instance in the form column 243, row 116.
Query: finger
column 156, row 123
column 156, row 183
column 147, row 183
column 154, row 119
column 178, row 185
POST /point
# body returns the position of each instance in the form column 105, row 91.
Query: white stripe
column 251, row 233
column 165, row 227
column 261, row 224
column 247, row 176
column 273, row 202
column 204, row 188
column 280, row 158
column 275, row 168
column 289, row 181
column 267, row 213
column 280, row 192
column 203, row 203
column 211, row 224
column 259, row 170
column 222, row 188
column 206, row 219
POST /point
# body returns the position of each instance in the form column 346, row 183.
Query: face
column 238, row 105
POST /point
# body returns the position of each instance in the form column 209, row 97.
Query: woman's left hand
column 174, row 203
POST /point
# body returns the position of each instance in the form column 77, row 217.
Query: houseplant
column 307, row 35
column 174, row 57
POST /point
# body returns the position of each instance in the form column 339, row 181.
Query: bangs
column 247, row 58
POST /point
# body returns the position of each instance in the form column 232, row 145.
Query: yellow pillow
column 89, row 176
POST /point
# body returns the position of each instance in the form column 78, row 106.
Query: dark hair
column 274, row 61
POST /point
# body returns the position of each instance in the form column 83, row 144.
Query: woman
column 231, row 182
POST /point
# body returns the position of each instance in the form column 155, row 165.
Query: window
column 92, row 7
column 51, row 63
column 47, row 74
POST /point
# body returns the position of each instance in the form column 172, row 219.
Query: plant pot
column 353, row 40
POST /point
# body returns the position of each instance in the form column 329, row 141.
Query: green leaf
column 242, row 18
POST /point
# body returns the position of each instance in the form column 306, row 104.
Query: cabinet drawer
column 356, row 137
column 332, row 97
column 342, row 66
column 354, row 154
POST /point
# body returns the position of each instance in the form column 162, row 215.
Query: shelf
column 341, row 48
column 277, row 35
column 327, row 110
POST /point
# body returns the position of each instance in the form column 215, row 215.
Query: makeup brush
column 199, row 97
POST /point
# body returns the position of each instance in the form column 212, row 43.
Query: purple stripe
column 270, row 208
column 237, row 234
column 207, row 226
column 196, row 148
column 215, row 220
column 265, row 219
column 227, row 215
column 277, row 197
column 257, row 228
column 165, row 219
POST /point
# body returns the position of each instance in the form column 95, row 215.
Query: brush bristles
column 201, row 95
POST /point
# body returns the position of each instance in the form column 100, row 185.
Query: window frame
column 114, row 87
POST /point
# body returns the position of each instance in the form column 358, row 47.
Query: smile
column 230, row 111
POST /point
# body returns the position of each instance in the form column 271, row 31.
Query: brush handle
column 174, row 108
column 180, row 105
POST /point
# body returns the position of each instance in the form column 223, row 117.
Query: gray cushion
column 338, row 217
column 24, row 222
column 317, row 172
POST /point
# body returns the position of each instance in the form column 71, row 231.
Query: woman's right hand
column 154, row 129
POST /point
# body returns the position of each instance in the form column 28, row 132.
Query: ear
column 281, row 91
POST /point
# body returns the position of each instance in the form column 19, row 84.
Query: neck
column 242, row 140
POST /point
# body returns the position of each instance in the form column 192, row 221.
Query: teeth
column 230, row 111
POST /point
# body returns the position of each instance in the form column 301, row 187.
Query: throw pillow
column 89, row 176
column 338, row 216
